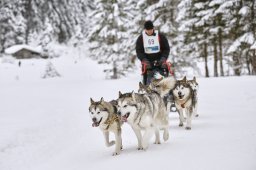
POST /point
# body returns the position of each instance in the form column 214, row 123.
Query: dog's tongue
column 94, row 124
column 124, row 119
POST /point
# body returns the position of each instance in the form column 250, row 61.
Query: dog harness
column 110, row 121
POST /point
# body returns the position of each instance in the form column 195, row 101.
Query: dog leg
column 181, row 117
column 157, row 140
column 146, row 137
column 195, row 111
column 118, row 143
column 106, row 136
column 165, row 123
column 166, row 134
column 189, row 113
column 168, row 109
column 139, row 137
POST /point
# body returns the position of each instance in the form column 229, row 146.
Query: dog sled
column 149, row 74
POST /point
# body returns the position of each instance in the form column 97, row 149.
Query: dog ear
column 120, row 94
column 92, row 102
column 133, row 96
column 194, row 78
column 185, row 78
column 140, row 85
column 101, row 100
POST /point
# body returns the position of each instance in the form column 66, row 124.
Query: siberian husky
column 194, row 85
column 144, row 112
column 104, row 115
column 184, row 101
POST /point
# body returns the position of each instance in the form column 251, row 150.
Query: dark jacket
column 164, row 49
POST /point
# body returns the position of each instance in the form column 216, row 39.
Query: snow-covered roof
column 15, row 48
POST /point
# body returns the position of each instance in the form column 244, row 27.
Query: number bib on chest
column 151, row 43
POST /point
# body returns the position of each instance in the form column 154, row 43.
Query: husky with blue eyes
column 104, row 115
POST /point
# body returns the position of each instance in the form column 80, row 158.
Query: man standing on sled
column 152, row 49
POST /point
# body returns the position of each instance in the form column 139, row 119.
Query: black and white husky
column 184, row 101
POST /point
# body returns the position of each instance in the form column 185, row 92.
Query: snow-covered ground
column 45, row 124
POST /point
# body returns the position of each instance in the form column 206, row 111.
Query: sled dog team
column 146, row 111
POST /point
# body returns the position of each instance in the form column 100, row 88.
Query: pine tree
column 194, row 27
column 50, row 71
column 108, row 36
column 12, row 24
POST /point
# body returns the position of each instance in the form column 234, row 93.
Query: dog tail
column 167, row 84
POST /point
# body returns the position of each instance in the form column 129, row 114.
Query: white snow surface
column 45, row 123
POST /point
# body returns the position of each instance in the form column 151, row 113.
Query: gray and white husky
column 184, row 101
column 194, row 85
column 104, row 115
column 144, row 112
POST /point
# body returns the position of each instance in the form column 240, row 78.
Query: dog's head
column 144, row 89
column 182, row 89
column 156, row 85
column 127, row 106
column 193, row 84
column 98, row 112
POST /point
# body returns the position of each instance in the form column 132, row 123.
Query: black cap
column 148, row 25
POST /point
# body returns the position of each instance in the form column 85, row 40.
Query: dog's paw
column 157, row 142
column 145, row 148
column 188, row 128
column 140, row 148
column 197, row 115
column 115, row 153
column 166, row 135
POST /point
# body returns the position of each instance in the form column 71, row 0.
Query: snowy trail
column 45, row 124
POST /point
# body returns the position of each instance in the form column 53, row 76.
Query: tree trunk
column 248, row 62
column 115, row 76
column 253, row 58
column 215, row 57
column 253, row 62
column 220, row 52
column 206, row 60
column 28, row 16
column 236, row 33
column 237, row 64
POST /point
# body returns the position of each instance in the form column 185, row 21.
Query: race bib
column 151, row 43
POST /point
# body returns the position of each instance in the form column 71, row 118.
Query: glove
column 147, row 63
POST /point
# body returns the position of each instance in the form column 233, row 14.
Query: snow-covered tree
column 108, row 36
column 242, row 35
column 12, row 24
column 194, row 29
column 50, row 71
